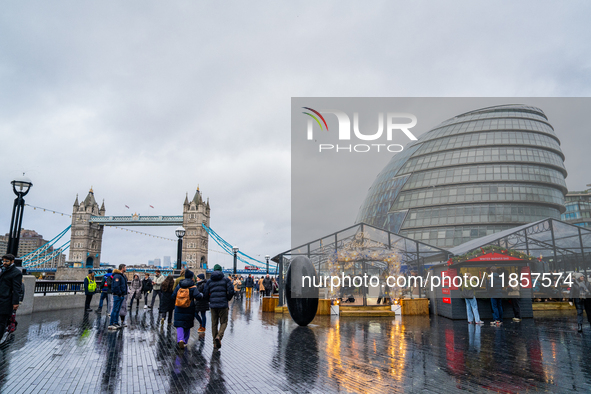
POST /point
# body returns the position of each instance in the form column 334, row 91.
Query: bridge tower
column 195, row 242
column 86, row 237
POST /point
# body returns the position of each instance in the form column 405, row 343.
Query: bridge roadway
column 138, row 220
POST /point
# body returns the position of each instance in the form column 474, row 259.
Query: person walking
column 495, row 291
column 580, row 294
column 11, row 279
column 275, row 286
column 119, row 289
column 106, row 291
column 147, row 287
column 218, row 290
column 184, row 310
column 515, row 295
column 202, row 305
column 166, row 306
column 249, row 284
column 469, row 295
column 261, row 287
column 89, row 289
column 158, row 280
column 237, row 285
column 135, row 292
column 242, row 286
column 268, row 285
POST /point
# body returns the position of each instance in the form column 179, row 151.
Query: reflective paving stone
column 70, row 352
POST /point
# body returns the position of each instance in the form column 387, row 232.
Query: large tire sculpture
column 301, row 303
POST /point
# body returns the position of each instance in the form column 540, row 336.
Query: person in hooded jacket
column 166, row 302
column 218, row 290
column 202, row 306
column 580, row 294
column 119, row 289
column 184, row 317
column 135, row 291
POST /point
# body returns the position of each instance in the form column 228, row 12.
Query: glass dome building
column 476, row 174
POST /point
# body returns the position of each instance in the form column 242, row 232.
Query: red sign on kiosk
column 495, row 257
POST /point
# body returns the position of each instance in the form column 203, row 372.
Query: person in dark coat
column 11, row 279
column 184, row 317
column 202, row 305
column 166, row 302
column 89, row 289
column 119, row 289
column 218, row 290
column 268, row 283
column 147, row 287
column 249, row 283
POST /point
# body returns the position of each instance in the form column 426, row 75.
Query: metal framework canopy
column 364, row 243
column 561, row 246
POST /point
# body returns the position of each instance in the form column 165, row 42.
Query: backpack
column 183, row 297
column 91, row 285
column 109, row 282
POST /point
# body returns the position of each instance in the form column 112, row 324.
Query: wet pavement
column 73, row 352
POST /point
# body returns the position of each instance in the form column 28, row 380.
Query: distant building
column 473, row 175
column 195, row 243
column 578, row 208
column 166, row 263
column 157, row 262
column 150, row 262
column 86, row 237
column 29, row 241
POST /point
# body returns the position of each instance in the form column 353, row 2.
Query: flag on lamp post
column 151, row 206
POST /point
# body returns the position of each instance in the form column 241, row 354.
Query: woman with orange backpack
column 184, row 297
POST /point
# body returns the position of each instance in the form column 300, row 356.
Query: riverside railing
column 59, row 286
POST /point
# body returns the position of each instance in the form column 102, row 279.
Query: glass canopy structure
column 363, row 248
column 555, row 245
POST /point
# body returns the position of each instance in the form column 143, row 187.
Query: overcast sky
column 144, row 101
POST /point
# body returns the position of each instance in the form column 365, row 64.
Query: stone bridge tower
column 195, row 242
column 86, row 237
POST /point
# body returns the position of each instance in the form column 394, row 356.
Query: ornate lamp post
column 180, row 233
column 267, row 257
column 235, row 250
column 20, row 186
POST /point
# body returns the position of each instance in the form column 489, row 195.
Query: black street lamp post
column 180, row 233
column 235, row 250
column 267, row 257
column 21, row 187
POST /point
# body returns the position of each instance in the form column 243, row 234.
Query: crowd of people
column 181, row 301
column 246, row 287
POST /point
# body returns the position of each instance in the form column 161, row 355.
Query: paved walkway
column 70, row 352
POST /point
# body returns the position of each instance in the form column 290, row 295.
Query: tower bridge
column 89, row 220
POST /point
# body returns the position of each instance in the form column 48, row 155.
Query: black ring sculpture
column 302, row 302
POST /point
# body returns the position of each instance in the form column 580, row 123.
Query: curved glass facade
column 475, row 174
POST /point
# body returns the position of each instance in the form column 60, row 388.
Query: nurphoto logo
column 393, row 125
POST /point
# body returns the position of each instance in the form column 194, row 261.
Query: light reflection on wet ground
column 69, row 351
